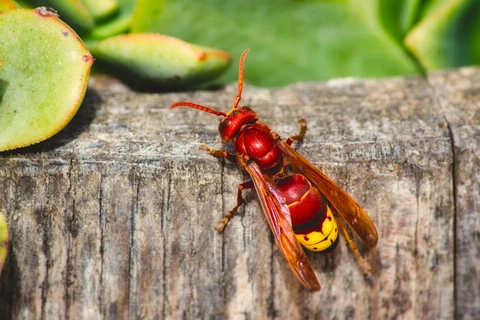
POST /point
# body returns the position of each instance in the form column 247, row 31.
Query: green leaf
column 7, row 5
column 398, row 17
column 156, row 62
column 289, row 40
column 476, row 42
column 430, row 6
column 446, row 37
column 43, row 78
column 115, row 25
column 4, row 240
column 101, row 9
column 73, row 12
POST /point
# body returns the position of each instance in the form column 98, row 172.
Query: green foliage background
column 289, row 40
column 317, row 40
column 307, row 40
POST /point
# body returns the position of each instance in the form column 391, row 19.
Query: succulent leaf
column 43, row 78
column 4, row 240
column 158, row 62
column 72, row 12
column 446, row 38
column 101, row 9
column 7, row 5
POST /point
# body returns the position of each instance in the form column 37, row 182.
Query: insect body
column 302, row 205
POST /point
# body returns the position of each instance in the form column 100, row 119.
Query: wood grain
column 459, row 93
column 115, row 217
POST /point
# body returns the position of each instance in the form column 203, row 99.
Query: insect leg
column 301, row 134
column 229, row 215
column 365, row 265
column 220, row 153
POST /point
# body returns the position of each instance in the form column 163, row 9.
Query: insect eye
column 224, row 125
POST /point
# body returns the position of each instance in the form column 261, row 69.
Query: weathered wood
column 459, row 93
column 114, row 217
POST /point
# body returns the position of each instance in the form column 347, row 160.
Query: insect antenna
column 240, row 79
column 237, row 100
column 197, row 106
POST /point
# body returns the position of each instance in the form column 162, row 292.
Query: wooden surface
column 459, row 95
column 114, row 217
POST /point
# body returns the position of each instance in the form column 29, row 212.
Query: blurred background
column 293, row 41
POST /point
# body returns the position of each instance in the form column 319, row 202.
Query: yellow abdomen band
column 319, row 241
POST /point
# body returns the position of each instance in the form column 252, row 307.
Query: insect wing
column 338, row 198
column 278, row 217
